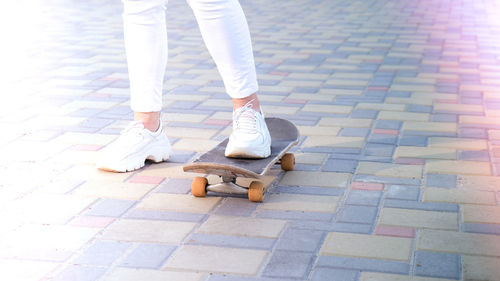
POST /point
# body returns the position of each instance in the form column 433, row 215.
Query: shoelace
column 245, row 119
column 132, row 131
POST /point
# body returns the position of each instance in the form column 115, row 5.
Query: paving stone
column 110, row 207
column 413, row 140
column 441, row 180
column 459, row 196
column 178, row 203
column 148, row 255
column 364, row 264
column 458, row 167
column 392, row 170
column 340, row 166
column 217, row 259
column 300, row 203
column 180, row 186
column 383, row 139
column 388, row 124
column 404, row 116
column 332, row 274
column 425, row 152
column 418, row 219
column 481, row 228
column 80, row 273
column 236, row 207
column 134, row 230
column 131, row 274
column 458, row 242
column 321, row 179
column 337, row 142
column 288, row 264
column 402, row 192
column 357, row 214
column 374, row 276
column 242, row 226
column 354, row 132
column 479, row 182
column 430, row 126
column 480, row 214
column 345, row 122
column 113, row 190
column 386, row 180
column 363, row 197
column 102, row 253
column 474, row 155
column 480, row 268
column 367, row 246
column 458, row 143
column 410, row 204
column 437, row 265
column 395, row 231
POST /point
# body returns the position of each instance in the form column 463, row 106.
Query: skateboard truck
column 228, row 185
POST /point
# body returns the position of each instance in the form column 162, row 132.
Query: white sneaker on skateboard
column 250, row 137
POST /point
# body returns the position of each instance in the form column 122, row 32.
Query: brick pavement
column 397, row 174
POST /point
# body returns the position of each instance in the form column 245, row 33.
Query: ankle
column 252, row 99
column 150, row 120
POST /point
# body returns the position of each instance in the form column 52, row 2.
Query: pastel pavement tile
column 376, row 276
column 458, row 242
column 112, row 189
column 459, row 195
column 345, row 122
column 458, row 167
column 430, row 126
column 217, row 259
column 185, row 203
column 480, row 214
column 490, row 183
column 321, row 179
column 133, row 230
column 390, row 170
column 300, row 203
column 458, row 143
column 133, row 274
column 418, row 218
column 480, row 268
column 367, row 246
column 242, row 226
column 425, row 152
column 329, row 141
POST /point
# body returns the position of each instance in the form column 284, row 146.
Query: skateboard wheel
column 199, row 187
column 288, row 162
column 256, row 191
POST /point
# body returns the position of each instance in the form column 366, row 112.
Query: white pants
column 224, row 29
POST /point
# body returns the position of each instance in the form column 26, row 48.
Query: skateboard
column 284, row 135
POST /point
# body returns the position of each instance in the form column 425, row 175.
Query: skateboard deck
column 284, row 135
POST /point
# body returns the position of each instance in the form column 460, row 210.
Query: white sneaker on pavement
column 250, row 137
column 131, row 149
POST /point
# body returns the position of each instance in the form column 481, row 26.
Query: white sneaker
column 131, row 149
column 250, row 137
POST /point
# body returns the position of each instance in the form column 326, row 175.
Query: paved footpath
column 397, row 175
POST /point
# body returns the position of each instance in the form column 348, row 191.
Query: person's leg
column 225, row 31
column 145, row 36
column 146, row 48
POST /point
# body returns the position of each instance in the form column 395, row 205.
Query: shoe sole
column 138, row 162
column 243, row 153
